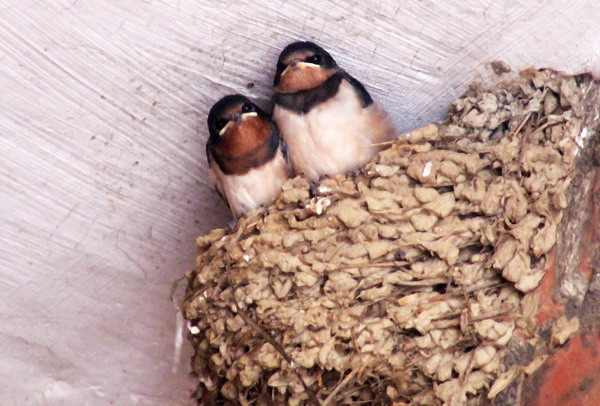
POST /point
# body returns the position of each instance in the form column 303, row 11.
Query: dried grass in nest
column 403, row 282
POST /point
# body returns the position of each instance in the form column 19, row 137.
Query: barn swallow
column 327, row 118
column 245, row 154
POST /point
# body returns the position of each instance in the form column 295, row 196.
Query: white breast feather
column 256, row 187
column 334, row 137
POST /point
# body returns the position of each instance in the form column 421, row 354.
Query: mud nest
column 406, row 281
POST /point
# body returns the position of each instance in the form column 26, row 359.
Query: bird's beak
column 224, row 129
column 296, row 64
column 249, row 114
column 235, row 118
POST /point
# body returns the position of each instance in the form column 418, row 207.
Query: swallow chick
column 245, row 154
column 327, row 118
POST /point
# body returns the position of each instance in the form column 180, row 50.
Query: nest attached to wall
column 404, row 282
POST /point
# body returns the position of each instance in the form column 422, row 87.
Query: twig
column 423, row 282
column 373, row 265
column 377, row 144
column 537, row 130
column 458, row 291
column 279, row 348
column 443, row 323
column 546, row 125
column 495, row 315
column 521, row 124
column 340, row 386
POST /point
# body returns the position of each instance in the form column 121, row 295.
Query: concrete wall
column 103, row 180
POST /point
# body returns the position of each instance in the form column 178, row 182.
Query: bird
column 326, row 117
column 245, row 154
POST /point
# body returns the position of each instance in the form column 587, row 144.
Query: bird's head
column 303, row 66
column 237, row 129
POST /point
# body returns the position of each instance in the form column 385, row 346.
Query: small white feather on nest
column 405, row 281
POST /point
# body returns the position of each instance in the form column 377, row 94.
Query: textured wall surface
column 103, row 182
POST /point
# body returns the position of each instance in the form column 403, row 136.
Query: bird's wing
column 216, row 178
column 360, row 90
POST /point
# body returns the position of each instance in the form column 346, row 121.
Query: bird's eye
column 316, row 59
column 247, row 108
column 220, row 123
